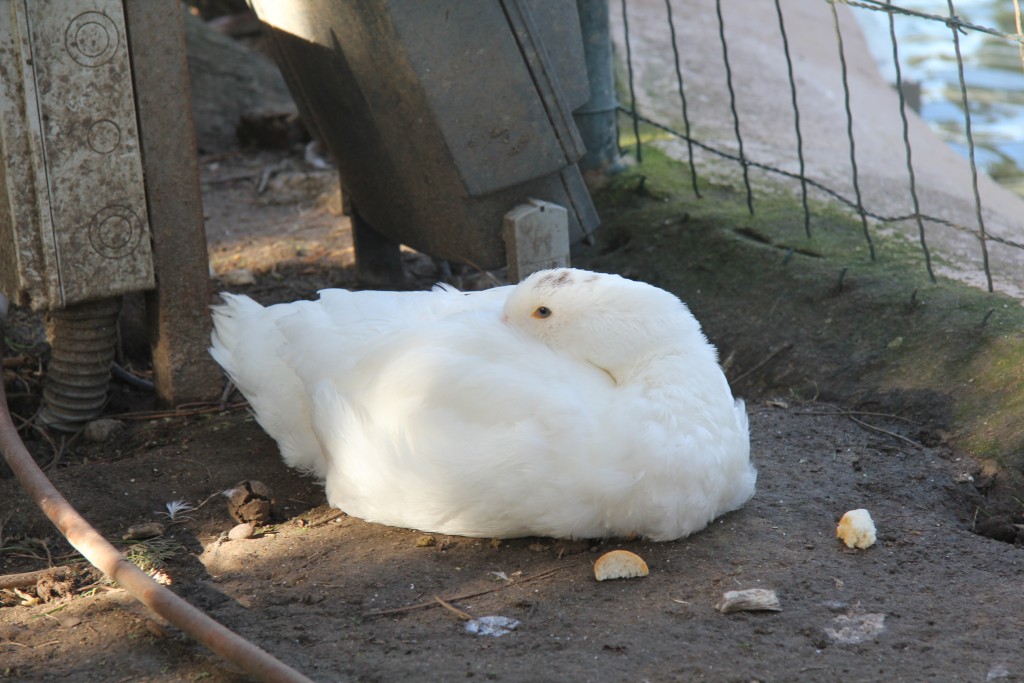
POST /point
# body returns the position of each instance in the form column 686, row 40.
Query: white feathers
column 572, row 405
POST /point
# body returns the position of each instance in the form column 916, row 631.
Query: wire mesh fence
column 850, row 194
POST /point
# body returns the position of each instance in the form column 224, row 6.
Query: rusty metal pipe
column 101, row 554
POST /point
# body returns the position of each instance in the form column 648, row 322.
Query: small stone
column 238, row 277
column 242, row 531
column 101, row 430
column 426, row 541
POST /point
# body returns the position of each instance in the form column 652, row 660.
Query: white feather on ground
column 574, row 404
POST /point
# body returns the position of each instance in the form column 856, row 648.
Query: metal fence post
column 596, row 119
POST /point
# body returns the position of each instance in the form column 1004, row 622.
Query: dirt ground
column 930, row 601
column 343, row 600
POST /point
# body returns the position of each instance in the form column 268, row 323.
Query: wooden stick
column 31, row 578
column 466, row 596
column 327, row 520
column 156, row 414
column 894, row 435
column 452, row 608
column 785, row 347
column 858, row 412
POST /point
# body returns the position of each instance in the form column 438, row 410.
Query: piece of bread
column 749, row 600
column 619, row 564
column 856, row 529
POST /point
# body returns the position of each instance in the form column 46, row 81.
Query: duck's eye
column 541, row 312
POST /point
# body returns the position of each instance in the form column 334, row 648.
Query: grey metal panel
column 481, row 92
column 21, row 267
column 442, row 115
column 85, row 158
column 558, row 24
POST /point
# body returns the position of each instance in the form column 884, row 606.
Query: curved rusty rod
column 98, row 551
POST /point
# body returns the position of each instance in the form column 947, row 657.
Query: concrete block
column 536, row 237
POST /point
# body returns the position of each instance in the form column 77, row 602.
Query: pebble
column 241, row 531
column 237, row 277
column 99, row 431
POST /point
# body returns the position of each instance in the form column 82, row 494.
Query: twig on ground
column 3, row 522
column 852, row 415
column 490, row 276
column 453, row 609
column 65, row 443
column 327, row 520
column 847, row 413
column 894, row 435
column 767, row 359
column 208, row 499
column 234, row 177
column 31, row 578
column 201, row 409
column 466, row 596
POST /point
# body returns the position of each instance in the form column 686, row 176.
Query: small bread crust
column 619, row 564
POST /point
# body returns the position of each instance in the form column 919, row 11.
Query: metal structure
column 442, row 116
column 597, row 119
column 99, row 191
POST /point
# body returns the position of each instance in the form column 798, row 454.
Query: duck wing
column 459, row 425
column 342, row 325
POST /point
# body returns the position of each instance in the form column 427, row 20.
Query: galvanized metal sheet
column 20, row 250
column 87, row 167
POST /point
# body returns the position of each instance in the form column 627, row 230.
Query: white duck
column 574, row 404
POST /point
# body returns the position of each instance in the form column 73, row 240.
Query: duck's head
column 606, row 320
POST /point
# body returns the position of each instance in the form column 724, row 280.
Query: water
column 992, row 70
